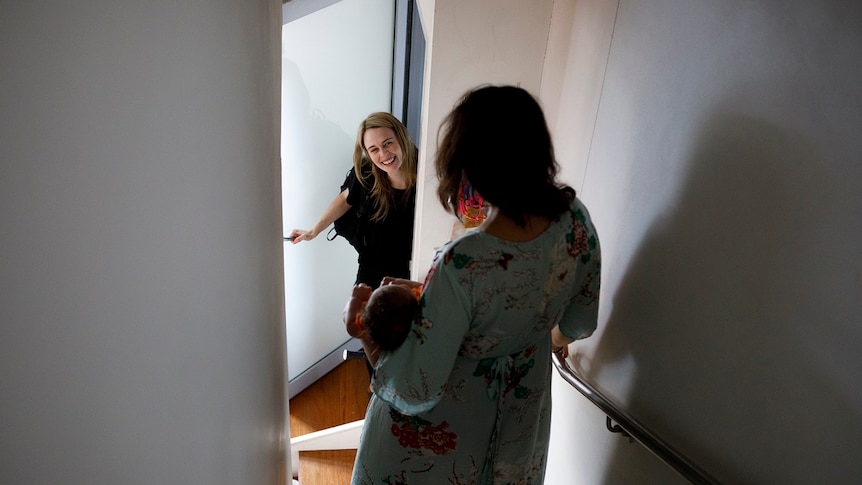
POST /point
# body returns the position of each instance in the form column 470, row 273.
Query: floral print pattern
column 466, row 398
column 506, row 373
column 417, row 433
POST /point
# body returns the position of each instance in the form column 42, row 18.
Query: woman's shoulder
column 356, row 190
column 578, row 211
column 365, row 175
column 472, row 243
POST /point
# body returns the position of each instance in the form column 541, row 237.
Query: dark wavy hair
column 496, row 138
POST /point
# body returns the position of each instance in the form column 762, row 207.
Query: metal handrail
column 632, row 428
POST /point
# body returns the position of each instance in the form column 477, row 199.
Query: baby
column 388, row 314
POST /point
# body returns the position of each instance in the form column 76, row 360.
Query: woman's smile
column 383, row 148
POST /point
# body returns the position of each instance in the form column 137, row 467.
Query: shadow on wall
column 716, row 310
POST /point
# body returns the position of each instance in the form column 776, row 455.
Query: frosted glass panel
column 336, row 69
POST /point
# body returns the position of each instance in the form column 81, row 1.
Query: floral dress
column 466, row 398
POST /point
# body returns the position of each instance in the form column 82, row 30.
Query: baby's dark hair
column 388, row 316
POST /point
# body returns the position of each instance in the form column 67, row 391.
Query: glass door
column 337, row 67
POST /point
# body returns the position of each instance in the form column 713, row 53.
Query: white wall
column 469, row 43
column 141, row 298
column 723, row 174
column 717, row 147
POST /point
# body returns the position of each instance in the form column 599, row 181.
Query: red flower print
column 417, row 433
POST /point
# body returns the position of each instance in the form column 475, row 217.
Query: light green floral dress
column 466, row 399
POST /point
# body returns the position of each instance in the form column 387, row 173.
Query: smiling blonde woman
column 384, row 178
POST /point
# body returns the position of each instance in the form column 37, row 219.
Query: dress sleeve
column 580, row 318
column 413, row 377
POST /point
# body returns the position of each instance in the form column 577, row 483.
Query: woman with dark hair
column 384, row 173
column 466, row 397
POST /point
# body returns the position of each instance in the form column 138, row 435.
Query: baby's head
column 388, row 315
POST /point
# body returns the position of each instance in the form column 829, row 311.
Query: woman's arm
column 337, row 208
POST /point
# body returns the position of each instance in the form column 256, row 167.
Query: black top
column 389, row 242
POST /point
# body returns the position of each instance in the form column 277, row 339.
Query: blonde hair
column 369, row 175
